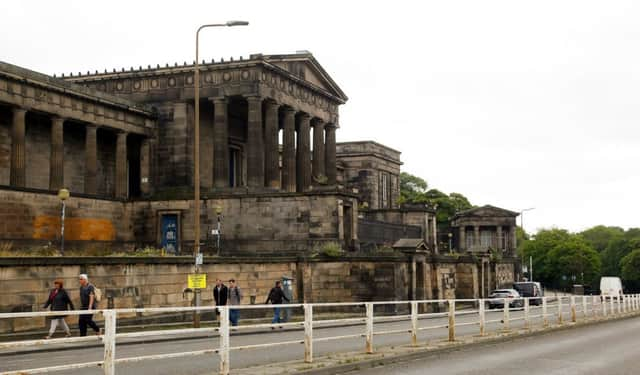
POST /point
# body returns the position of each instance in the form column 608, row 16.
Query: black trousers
column 87, row 320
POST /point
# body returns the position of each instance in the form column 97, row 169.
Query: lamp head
column 63, row 194
column 218, row 210
column 237, row 23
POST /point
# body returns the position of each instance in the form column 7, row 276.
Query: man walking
column 220, row 294
column 276, row 295
column 88, row 302
column 234, row 298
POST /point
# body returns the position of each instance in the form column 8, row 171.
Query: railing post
column 224, row 340
column 584, row 306
column 369, row 334
column 619, row 301
column 560, row 310
column 624, row 301
column 594, row 310
column 481, row 316
column 505, row 317
column 573, row 309
column 545, row 316
column 308, row 333
column 612, row 310
column 603, row 301
column 526, row 313
column 109, row 340
column 635, row 302
column 414, row 323
column 452, row 320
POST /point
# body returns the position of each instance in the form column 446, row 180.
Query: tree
column 538, row 249
column 630, row 266
column 573, row 261
column 412, row 189
column 600, row 236
column 617, row 249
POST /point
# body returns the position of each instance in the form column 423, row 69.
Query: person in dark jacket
column 220, row 294
column 58, row 301
column 276, row 295
column 88, row 301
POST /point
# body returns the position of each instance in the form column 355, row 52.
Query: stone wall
column 5, row 145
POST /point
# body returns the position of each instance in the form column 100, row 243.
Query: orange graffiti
column 76, row 228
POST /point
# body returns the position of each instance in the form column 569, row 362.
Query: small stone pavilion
column 481, row 229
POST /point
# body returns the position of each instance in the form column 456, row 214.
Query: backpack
column 97, row 294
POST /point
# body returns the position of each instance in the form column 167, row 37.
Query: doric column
column 462, row 244
column 271, row 152
column 18, row 171
column 476, row 237
column 91, row 160
column 318, row 150
column 255, row 152
column 56, row 161
column 303, row 155
column 330, row 153
column 145, row 167
column 289, row 151
column 514, row 239
column 220, row 143
column 499, row 237
column 122, row 180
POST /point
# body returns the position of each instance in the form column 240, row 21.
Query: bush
column 331, row 249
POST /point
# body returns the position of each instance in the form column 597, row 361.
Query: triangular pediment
column 487, row 211
column 304, row 66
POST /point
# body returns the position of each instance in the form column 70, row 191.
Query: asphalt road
column 29, row 358
column 609, row 348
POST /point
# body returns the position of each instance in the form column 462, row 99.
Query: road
column 609, row 348
column 75, row 353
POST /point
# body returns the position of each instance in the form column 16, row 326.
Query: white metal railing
column 533, row 310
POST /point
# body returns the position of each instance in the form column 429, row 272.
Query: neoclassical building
column 122, row 141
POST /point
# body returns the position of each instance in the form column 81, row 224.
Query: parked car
column 531, row 289
column 610, row 287
column 497, row 298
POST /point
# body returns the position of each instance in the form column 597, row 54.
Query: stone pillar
column 271, row 152
column 330, row 154
column 56, row 161
column 18, row 170
column 255, row 145
column 122, row 180
column 318, row 150
column 289, row 151
column 462, row 239
column 220, row 143
column 476, row 237
column 499, row 237
column 303, row 155
column 145, row 167
column 514, row 239
column 434, row 233
column 91, row 160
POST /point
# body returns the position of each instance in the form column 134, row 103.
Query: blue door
column 169, row 240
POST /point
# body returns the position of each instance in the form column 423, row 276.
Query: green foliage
column 630, row 266
column 331, row 249
column 573, row 261
column 413, row 189
column 600, row 236
column 617, row 249
column 496, row 255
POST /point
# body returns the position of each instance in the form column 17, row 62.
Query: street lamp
column 523, row 232
column 63, row 194
column 219, row 213
column 196, row 156
column 450, row 235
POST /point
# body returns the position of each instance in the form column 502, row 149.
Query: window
column 384, row 190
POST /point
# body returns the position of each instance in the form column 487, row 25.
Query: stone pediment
column 486, row 211
column 304, row 66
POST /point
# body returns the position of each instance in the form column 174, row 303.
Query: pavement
column 274, row 359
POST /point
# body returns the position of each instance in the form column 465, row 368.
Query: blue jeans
column 276, row 315
column 234, row 315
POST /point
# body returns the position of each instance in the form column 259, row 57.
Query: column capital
column 315, row 121
column 219, row 99
column 304, row 116
column 20, row 110
column 288, row 110
column 330, row 125
column 254, row 98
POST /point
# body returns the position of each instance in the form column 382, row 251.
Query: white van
column 610, row 287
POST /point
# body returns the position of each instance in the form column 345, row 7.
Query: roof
column 486, row 211
column 319, row 79
column 48, row 82
column 410, row 243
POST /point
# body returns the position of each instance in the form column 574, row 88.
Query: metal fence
column 541, row 311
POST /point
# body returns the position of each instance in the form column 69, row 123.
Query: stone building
column 486, row 228
column 122, row 142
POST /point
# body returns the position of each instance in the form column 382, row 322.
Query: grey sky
column 517, row 104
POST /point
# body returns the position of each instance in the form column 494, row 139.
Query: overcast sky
column 511, row 103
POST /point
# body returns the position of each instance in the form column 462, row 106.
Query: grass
column 8, row 250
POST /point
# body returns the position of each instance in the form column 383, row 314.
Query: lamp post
column 63, row 194
column 523, row 232
column 450, row 235
column 196, row 156
column 219, row 213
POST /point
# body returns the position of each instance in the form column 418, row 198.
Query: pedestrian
column 58, row 301
column 220, row 294
column 88, row 302
column 276, row 295
column 234, row 298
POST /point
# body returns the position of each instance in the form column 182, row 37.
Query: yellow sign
column 197, row 281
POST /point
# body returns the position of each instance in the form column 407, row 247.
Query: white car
column 610, row 287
